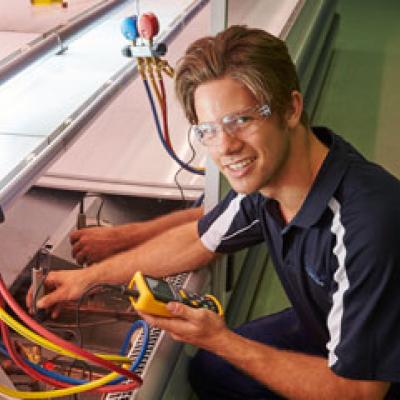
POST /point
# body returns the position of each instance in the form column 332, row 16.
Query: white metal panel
column 17, row 147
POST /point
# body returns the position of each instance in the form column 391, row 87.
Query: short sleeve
column 232, row 225
column 364, row 320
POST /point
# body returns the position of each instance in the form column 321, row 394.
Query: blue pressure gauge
column 129, row 27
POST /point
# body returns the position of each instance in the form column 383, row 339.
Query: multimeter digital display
column 152, row 296
column 161, row 289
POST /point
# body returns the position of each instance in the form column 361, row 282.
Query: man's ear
column 295, row 110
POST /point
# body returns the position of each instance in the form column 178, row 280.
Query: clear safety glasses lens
column 208, row 133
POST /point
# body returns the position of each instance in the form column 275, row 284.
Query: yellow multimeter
column 151, row 296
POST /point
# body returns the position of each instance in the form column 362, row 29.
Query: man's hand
column 62, row 286
column 94, row 244
column 200, row 327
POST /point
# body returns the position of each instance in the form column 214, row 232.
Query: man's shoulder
column 370, row 199
column 368, row 182
column 364, row 181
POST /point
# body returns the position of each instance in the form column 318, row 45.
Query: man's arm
column 176, row 250
column 291, row 374
column 294, row 375
column 94, row 244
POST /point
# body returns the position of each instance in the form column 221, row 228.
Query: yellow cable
column 28, row 334
column 217, row 303
column 59, row 392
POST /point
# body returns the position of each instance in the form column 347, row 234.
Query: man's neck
column 291, row 188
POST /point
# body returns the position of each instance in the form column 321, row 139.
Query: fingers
column 181, row 316
column 82, row 254
column 76, row 248
column 55, row 312
column 78, row 245
column 171, row 325
column 81, row 258
column 56, row 281
column 75, row 236
column 51, row 299
column 182, row 311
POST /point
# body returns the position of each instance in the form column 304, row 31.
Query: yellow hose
column 28, row 334
column 59, row 392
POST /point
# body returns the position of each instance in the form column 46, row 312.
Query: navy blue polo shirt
column 338, row 259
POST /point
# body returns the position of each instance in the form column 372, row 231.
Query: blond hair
column 253, row 57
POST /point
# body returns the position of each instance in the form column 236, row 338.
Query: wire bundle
column 113, row 382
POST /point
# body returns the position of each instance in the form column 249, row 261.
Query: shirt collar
column 327, row 181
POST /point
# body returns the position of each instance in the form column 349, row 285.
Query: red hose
column 165, row 114
column 61, row 342
column 46, row 379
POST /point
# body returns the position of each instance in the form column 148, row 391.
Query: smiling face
column 256, row 161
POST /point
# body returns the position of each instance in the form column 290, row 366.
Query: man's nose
column 228, row 143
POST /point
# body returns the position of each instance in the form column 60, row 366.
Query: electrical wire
column 81, row 353
column 63, row 326
column 193, row 155
column 178, row 185
column 98, row 214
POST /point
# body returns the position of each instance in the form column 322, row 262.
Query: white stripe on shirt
column 216, row 231
column 335, row 316
column 239, row 231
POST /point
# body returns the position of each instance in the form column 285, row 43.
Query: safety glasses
column 238, row 124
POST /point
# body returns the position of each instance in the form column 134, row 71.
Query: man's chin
column 241, row 188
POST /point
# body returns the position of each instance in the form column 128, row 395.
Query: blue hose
column 172, row 154
column 123, row 350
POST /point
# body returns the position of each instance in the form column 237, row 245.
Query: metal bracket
column 62, row 47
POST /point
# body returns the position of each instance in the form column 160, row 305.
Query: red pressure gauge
column 148, row 26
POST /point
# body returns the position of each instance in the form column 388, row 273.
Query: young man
column 329, row 218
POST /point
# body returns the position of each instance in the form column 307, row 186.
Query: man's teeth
column 240, row 164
